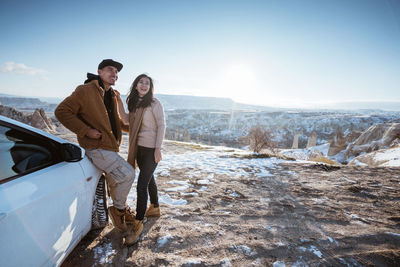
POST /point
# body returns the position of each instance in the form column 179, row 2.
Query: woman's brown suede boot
column 153, row 212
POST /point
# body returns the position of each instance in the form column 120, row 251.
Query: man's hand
column 157, row 155
column 93, row 134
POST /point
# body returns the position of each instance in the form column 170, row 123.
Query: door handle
column 89, row 178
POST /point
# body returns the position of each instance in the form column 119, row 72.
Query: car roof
column 33, row 129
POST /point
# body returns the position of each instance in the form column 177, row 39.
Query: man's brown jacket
column 84, row 109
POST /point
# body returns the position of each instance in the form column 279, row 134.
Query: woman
column 146, row 133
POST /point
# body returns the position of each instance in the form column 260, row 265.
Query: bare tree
column 258, row 139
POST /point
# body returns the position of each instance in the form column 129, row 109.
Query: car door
column 43, row 200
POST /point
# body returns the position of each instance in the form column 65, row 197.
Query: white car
column 51, row 195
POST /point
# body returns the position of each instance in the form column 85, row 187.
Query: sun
column 238, row 82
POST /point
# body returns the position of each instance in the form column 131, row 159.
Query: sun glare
column 239, row 82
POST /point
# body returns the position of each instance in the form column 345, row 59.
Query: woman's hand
column 157, row 155
column 121, row 109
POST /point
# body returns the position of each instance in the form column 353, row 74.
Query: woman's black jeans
column 146, row 182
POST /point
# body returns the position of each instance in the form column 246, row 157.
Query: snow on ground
column 163, row 240
column 359, row 163
column 394, row 234
column 279, row 264
column 209, row 161
column 383, row 158
column 304, row 153
column 166, row 199
column 391, row 156
column 339, row 157
column 104, row 253
column 314, row 250
column 212, row 161
column 178, row 182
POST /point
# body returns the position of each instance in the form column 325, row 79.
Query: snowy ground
column 389, row 157
column 221, row 210
column 206, row 162
column 304, row 153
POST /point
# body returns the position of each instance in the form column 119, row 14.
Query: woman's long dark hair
column 133, row 98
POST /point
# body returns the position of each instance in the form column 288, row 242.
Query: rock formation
column 177, row 134
column 352, row 136
column 312, row 140
column 337, row 144
column 40, row 121
column 14, row 114
column 376, row 137
column 340, row 142
column 381, row 158
column 186, row 135
column 295, row 144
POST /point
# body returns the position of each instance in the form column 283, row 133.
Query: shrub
column 258, row 139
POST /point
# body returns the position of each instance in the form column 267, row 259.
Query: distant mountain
column 204, row 102
column 26, row 103
column 7, row 95
column 51, row 100
column 171, row 102
column 366, row 107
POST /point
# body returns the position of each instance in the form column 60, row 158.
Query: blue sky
column 281, row 53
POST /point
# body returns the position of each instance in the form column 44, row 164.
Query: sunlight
column 239, row 82
column 263, row 86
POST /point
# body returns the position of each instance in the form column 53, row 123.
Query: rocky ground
column 220, row 208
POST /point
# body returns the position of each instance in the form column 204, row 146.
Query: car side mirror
column 71, row 152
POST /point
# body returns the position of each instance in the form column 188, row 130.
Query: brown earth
column 303, row 215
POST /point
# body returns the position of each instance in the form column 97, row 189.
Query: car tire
column 99, row 209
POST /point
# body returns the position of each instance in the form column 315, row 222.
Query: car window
column 22, row 153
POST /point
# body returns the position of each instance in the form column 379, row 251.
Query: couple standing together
column 96, row 113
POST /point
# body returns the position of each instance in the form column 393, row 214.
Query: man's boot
column 134, row 235
column 153, row 211
column 129, row 215
column 117, row 218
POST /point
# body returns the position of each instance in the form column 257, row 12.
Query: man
column 91, row 112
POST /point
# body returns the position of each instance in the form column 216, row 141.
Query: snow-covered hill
column 226, row 127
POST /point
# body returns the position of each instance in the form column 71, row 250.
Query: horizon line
column 304, row 105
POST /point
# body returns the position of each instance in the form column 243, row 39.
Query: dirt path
column 294, row 214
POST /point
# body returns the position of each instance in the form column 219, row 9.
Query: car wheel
column 99, row 209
